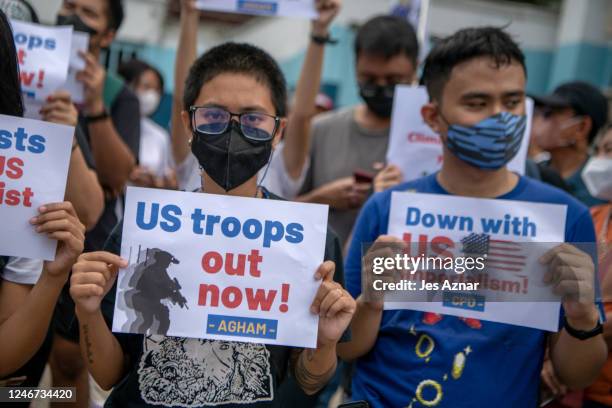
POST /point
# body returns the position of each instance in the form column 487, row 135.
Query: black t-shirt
column 125, row 115
column 181, row 372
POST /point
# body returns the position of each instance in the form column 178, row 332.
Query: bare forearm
column 317, row 195
column 587, row 357
column 100, row 350
column 83, row 190
column 27, row 326
column 297, row 142
column 114, row 160
column 315, row 367
column 186, row 55
column 364, row 331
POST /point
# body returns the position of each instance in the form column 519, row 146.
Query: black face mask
column 230, row 159
column 379, row 99
column 76, row 22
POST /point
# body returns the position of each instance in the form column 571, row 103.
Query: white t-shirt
column 155, row 152
column 277, row 180
column 22, row 270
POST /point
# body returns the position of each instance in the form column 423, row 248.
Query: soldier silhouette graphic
column 150, row 285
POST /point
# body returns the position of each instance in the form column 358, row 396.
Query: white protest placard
column 43, row 54
column 506, row 232
column 34, row 159
column 220, row 267
column 286, row 8
column 80, row 43
column 416, row 149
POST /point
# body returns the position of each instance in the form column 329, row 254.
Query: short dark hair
column 237, row 58
column 132, row 70
column 464, row 45
column 387, row 36
column 11, row 102
column 115, row 14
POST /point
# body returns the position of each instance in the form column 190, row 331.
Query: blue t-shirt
column 444, row 361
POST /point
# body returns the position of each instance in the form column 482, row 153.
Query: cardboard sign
column 506, row 232
column 43, row 54
column 34, row 158
column 416, row 149
column 286, row 8
column 220, row 267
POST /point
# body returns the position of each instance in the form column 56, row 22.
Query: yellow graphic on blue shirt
column 430, row 391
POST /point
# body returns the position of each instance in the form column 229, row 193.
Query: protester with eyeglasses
column 348, row 147
column 564, row 125
column 287, row 168
column 234, row 106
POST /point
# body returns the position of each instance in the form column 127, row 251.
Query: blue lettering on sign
column 242, row 326
column 467, row 301
column 258, row 7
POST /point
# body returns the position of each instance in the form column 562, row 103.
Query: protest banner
column 80, row 43
column 285, row 8
column 456, row 226
column 43, row 54
column 34, row 158
column 220, row 267
column 416, row 149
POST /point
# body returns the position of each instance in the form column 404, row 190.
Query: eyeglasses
column 214, row 121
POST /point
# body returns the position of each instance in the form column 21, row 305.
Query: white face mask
column 597, row 176
column 149, row 101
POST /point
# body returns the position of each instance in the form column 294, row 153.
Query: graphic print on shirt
column 185, row 372
column 430, row 391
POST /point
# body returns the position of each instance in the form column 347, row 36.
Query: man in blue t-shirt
column 476, row 82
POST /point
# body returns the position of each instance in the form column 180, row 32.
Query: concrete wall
column 558, row 44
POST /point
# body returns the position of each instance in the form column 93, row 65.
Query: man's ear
column 279, row 132
column 186, row 118
column 431, row 115
column 584, row 128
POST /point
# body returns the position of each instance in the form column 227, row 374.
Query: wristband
column 96, row 118
column 322, row 39
column 583, row 334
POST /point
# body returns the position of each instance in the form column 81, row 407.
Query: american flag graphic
column 500, row 255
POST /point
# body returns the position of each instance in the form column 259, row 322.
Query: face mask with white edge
column 597, row 176
column 149, row 101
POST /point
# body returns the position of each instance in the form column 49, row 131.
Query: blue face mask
column 489, row 144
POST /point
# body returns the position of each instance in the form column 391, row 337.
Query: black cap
column 583, row 98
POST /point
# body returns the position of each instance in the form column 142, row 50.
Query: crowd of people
column 58, row 313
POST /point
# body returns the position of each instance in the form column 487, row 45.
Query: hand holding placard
column 34, row 159
column 92, row 77
column 224, row 268
column 92, row 278
column 572, row 272
column 60, row 222
column 327, row 11
column 334, row 305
